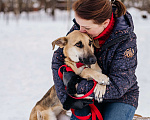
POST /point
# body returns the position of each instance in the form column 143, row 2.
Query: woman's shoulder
column 120, row 37
column 123, row 28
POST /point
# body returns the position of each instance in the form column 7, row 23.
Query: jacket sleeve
column 57, row 61
column 122, row 69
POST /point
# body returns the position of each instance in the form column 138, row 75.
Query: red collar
column 106, row 33
column 79, row 64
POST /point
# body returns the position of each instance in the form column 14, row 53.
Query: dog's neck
column 73, row 65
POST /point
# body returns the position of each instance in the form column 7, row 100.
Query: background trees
column 18, row 6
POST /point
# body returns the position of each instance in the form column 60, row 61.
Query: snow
column 26, row 54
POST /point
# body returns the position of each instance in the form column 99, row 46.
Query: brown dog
column 78, row 47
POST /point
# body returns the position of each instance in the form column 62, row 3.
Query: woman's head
column 95, row 14
column 89, row 27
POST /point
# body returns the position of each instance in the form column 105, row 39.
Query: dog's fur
column 48, row 108
column 78, row 47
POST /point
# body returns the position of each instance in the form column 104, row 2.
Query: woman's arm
column 122, row 70
column 57, row 61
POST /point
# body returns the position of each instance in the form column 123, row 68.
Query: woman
column 111, row 27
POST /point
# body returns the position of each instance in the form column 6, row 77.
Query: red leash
column 94, row 111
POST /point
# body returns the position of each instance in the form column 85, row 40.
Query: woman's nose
column 82, row 30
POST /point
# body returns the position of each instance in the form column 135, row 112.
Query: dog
column 77, row 47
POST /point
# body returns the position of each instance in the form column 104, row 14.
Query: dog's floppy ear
column 61, row 42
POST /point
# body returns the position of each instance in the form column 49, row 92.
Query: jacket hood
column 124, row 22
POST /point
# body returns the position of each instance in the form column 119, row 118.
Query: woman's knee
column 118, row 111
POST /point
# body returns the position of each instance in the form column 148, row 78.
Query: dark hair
column 98, row 10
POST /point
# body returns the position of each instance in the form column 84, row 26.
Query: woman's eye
column 79, row 44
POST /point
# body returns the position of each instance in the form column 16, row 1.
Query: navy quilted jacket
column 117, row 59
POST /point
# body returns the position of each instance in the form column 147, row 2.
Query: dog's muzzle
column 88, row 60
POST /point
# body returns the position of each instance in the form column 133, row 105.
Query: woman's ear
column 106, row 23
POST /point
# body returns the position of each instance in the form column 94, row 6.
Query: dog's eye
column 79, row 44
column 90, row 42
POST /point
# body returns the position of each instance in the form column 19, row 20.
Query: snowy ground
column 25, row 60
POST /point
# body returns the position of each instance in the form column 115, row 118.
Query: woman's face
column 89, row 27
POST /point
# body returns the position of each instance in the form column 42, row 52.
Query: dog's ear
column 96, row 43
column 61, row 42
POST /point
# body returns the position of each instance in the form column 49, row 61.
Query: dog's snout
column 88, row 60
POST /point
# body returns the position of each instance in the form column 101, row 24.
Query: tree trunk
column 20, row 5
column 53, row 7
column 16, row 7
column 0, row 5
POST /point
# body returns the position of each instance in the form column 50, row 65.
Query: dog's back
column 44, row 109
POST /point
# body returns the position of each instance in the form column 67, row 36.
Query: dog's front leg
column 89, row 73
column 96, row 67
column 102, row 80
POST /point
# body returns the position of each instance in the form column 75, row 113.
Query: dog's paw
column 103, row 80
column 99, row 92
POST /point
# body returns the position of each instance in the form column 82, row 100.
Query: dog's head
column 78, row 47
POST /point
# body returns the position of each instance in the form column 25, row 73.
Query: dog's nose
column 92, row 60
column 88, row 60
